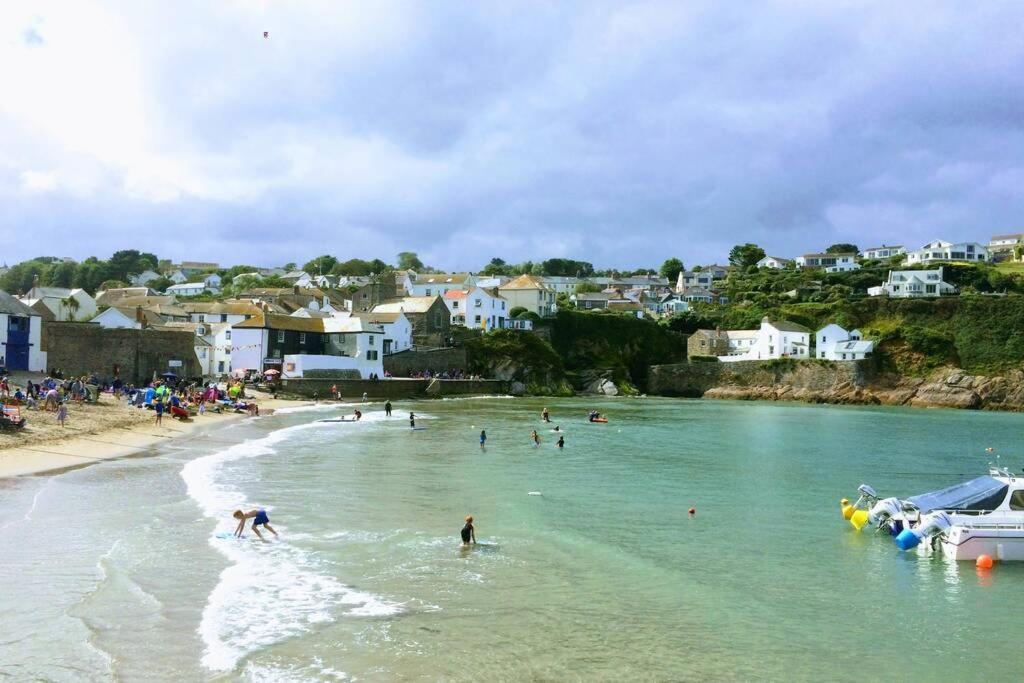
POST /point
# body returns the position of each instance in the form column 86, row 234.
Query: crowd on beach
column 168, row 394
column 455, row 373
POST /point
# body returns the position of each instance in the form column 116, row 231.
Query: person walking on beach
column 483, row 439
column 561, row 442
column 158, row 406
column 545, row 415
column 334, row 392
column 365, row 397
column 387, row 408
column 535, row 437
column 62, row 413
column 412, row 420
column 258, row 517
column 468, row 532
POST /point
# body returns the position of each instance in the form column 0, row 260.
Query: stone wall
column 394, row 388
column 83, row 348
column 753, row 379
column 407, row 362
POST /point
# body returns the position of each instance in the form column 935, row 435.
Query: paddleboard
column 418, row 429
column 340, row 419
column 557, row 431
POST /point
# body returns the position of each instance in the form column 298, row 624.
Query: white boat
column 982, row 516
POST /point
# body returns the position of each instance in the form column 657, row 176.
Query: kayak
column 600, row 419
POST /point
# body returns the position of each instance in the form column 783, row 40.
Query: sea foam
column 270, row 591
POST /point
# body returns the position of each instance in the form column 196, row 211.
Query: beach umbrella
column 169, row 375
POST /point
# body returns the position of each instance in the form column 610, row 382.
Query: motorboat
column 981, row 516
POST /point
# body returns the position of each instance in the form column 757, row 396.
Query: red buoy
column 693, row 511
column 984, row 562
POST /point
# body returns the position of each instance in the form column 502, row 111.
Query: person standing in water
column 483, row 439
column 561, row 442
column 364, row 397
column 387, row 408
column 358, row 415
column 258, row 517
column 535, row 437
column 412, row 420
column 544, row 415
column 468, row 532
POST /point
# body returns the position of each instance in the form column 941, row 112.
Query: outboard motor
column 931, row 525
column 867, row 495
column 884, row 510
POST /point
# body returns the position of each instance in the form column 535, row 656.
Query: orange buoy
column 693, row 511
column 984, row 562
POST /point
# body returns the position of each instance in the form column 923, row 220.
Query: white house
column 20, row 336
column 779, row 339
column 906, row 284
column 687, row 279
column 246, row 276
column 436, row 284
column 127, row 317
column 1004, row 244
column 477, row 308
column 833, row 263
column 232, row 312
column 560, row 283
column 940, row 250
column 212, row 282
column 142, row 278
column 64, row 304
column 775, row 262
column 178, row 277
column 213, row 345
column 832, row 342
column 883, row 252
column 187, row 289
column 298, row 277
column 397, row 329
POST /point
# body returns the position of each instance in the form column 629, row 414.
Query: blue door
column 17, row 343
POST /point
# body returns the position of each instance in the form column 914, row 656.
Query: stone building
column 707, row 343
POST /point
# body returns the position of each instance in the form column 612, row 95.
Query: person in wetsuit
column 545, row 415
column 469, row 532
column 561, row 442
column 387, row 408
column 412, row 420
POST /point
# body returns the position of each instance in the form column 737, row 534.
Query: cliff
column 841, row 383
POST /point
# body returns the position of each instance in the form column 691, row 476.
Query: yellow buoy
column 858, row 519
column 847, row 509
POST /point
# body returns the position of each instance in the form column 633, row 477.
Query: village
column 197, row 320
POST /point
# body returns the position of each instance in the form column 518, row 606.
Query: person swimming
column 557, row 429
column 469, row 532
column 259, row 517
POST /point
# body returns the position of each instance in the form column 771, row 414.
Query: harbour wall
column 843, row 382
column 394, row 389
column 405, row 363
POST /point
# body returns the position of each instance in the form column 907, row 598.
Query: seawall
column 848, row 382
column 394, row 389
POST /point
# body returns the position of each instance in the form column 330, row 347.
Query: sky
column 618, row 133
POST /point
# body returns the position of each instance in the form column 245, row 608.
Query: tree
column 496, row 266
column 112, row 284
column 843, row 248
column 320, row 265
column 743, row 255
column 159, row 284
column 564, row 267
column 671, row 268
column 357, row 266
column 408, row 260
column 516, row 311
column 587, row 287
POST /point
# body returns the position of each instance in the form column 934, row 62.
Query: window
column 429, row 291
column 476, row 319
column 220, row 366
column 1017, row 500
column 371, row 355
column 277, row 353
column 455, row 304
column 477, row 303
column 227, row 334
column 280, row 336
column 503, row 305
column 302, row 337
column 371, row 340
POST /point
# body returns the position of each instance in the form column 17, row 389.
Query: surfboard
column 418, row 429
column 340, row 419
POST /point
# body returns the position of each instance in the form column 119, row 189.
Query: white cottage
column 20, row 336
column 833, row 342
column 778, row 339
column 940, row 250
column 64, row 304
column 908, row 284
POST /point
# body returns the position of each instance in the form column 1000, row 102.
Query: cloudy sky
column 619, row 133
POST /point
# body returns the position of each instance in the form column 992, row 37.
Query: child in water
column 468, row 532
column 561, row 442
column 535, row 437
column 258, row 517
column 412, row 420
column 483, row 438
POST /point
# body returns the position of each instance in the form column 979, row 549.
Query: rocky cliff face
column 840, row 383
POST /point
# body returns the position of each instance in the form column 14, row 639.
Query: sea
column 589, row 565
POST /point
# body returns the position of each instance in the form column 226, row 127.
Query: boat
column 981, row 516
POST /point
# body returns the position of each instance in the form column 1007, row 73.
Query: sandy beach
column 100, row 431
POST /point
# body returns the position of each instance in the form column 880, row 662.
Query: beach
column 99, row 431
column 588, row 566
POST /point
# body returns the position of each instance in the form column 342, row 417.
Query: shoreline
column 55, row 455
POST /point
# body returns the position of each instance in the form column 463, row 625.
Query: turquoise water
column 604, row 576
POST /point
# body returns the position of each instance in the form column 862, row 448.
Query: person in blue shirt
column 483, row 438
